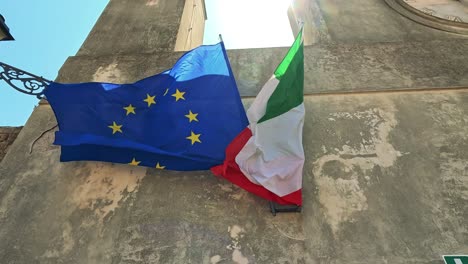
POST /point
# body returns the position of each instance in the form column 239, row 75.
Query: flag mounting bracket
column 279, row 208
column 23, row 81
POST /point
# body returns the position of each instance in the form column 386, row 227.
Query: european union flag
column 181, row 119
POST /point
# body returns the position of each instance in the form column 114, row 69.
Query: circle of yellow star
column 194, row 137
column 178, row 95
column 134, row 162
column 130, row 109
column 115, row 128
column 191, row 116
column 158, row 166
column 150, row 99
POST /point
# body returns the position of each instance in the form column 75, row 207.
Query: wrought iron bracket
column 23, row 81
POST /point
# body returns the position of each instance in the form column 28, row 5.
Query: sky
column 48, row 32
column 248, row 23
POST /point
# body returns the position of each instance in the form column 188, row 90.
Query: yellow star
column 194, row 138
column 130, row 109
column 158, row 166
column 115, row 128
column 150, row 99
column 191, row 116
column 134, row 162
column 178, row 95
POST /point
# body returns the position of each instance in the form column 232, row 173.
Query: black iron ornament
column 278, row 208
column 23, row 81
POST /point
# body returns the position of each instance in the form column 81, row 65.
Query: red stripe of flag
column 231, row 172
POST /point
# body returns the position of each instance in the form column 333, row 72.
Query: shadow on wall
column 7, row 137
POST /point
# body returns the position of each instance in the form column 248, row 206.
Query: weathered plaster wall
column 385, row 179
column 359, row 21
column 7, row 137
column 329, row 67
column 192, row 26
column 132, row 27
column 384, row 182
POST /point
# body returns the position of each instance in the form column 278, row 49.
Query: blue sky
column 48, row 32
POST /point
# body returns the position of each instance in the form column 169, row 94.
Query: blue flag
column 181, row 119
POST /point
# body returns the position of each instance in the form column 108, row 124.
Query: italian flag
column 267, row 157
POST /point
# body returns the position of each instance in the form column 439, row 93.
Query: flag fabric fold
column 182, row 119
column 267, row 157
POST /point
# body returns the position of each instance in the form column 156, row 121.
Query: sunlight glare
column 248, row 23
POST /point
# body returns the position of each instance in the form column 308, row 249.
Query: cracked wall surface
column 385, row 181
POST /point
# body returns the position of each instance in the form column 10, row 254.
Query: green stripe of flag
column 290, row 91
column 284, row 65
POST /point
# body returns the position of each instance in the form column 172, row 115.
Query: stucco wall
column 192, row 26
column 7, row 137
